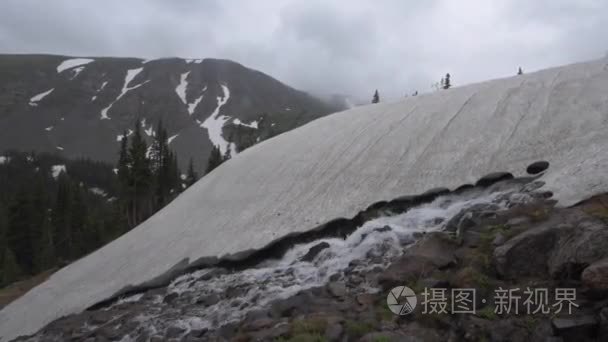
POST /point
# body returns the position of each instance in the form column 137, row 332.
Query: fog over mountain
column 324, row 47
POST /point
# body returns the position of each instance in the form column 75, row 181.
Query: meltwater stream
column 210, row 298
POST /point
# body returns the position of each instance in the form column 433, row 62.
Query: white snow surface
column 216, row 121
column 73, row 62
column 37, row 98
column 131, row 74
column 4, row 160
column 338, row 165
column 57, row 169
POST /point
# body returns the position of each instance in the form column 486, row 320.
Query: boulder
column 434, row 251
column 575, row 328
column 337, row 289
column 314, row 251
column 537, row 167
column 559, row 246
column 596, row 275
column 333, row 332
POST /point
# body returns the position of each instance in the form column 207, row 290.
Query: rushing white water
column 210, row 298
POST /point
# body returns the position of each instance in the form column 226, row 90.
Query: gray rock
column 575, row 328
column 499, row 239
column 208, row 300
column 596, row 275
column 314, row 251
column 174, row 331
column 559, row 246
column 537, row 167
column 337, row 289
column 333, row 332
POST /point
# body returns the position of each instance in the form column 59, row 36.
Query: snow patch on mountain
column 215, row 122
column 73, row 62
column 171, row 138
column 35, row 99
column 4, row 160
column 131, row 74
column 194, row 61
column 59, row 148
column 103, row 85
column 57, row 169
column 182, row 87
column 76, row 72
column 48, row 129
column 253, row 124
column 120, row 136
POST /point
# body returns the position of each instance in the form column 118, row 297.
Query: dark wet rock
column 337, row 289
column 492, row 178
column 560, row 246
column 434, row 251
column 468, row 217
column 100, row 317
column 208, row 300
column 435, row 246
column 499, row 239
column 596, row 275
column 574, row 328
column 170, row 297
column 433, row 283
column 537, row 167
column 314, row 251
column 173, row 332
column 383, row 229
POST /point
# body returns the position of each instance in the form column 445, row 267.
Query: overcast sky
column 323, row 46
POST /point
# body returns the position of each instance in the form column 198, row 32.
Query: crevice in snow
column 37, row 98
column 131, row 74
column 73, row 62
column 215, row 122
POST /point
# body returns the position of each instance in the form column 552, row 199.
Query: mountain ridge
column 79, row 106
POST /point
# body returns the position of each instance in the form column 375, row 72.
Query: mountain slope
column 341, row 164
column 82, row 106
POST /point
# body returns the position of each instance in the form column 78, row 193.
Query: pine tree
column 45, row 256
column 376, row 97
column 140, row 179
column 520, row 72
column 191, row 176
column 446, row 83
column 228, row 155
column 215, row 159
column 62, row 218
column 10, row 270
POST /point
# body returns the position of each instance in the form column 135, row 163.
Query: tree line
column 50, row 217
column 444, row 83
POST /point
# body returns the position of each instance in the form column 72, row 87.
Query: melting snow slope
column 131, row 74
column 73, row 62
column 338, row 165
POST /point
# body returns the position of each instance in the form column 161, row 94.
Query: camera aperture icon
column 401, row 300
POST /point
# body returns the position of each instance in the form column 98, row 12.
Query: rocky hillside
column 81, row 106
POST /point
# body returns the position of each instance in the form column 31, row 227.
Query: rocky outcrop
column 562, row 246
